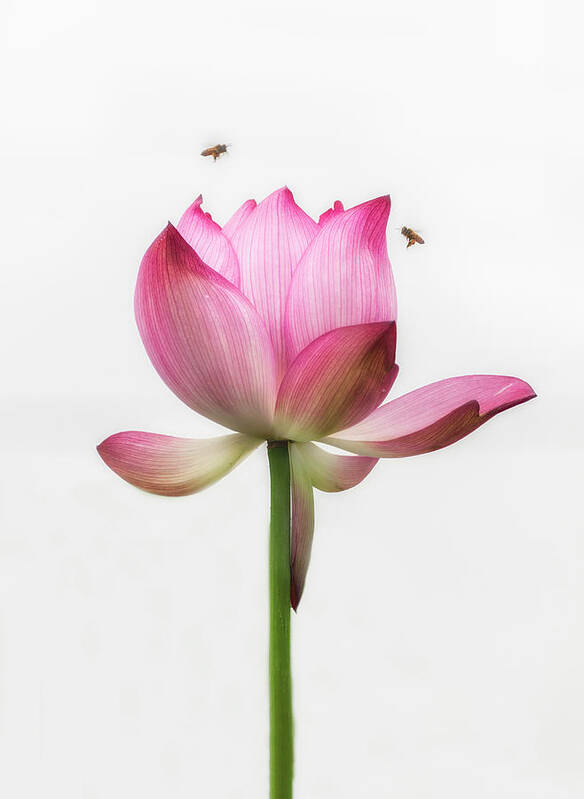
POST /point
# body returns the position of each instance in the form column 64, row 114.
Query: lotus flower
column 282, row 329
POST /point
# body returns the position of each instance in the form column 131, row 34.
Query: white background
column 438, row 651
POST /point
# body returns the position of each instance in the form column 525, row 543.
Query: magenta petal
column 341, row 376
column 269, row 244
column 238, row 218
column 344, row 277
column 302, row 524
column 330, row 472
column 433, row 416
column 204, row 337
column 206, row 238
column 173, row 466
column 326, row 216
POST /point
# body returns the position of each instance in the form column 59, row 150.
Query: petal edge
column 344, row 277
column 204, row 337
column 172, row 466
column 432, row 417
column 205, row 237
column 330, row 472
column 342, row 375
column 302, row 525
column 269, row 243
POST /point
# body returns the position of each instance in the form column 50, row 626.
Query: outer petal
column 173, row 466
column 432, row 417
column 238, row 218
column 206, row 238
column 344, row 277
column 302, row 524
column 329, row 472
column 204, row 338
column 269, row 245
column 341, row 376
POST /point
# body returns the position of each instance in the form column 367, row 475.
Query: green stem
column 281, row 722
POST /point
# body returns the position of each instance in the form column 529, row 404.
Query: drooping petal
column 330, row 472
column 326, row 216
column 433, row 416
column 204, row 337
column 238, row 218
column 344, row 277
column 343, row 375
column 173, row 466
column 205, row 237
column 269, row 244
column 302, row 524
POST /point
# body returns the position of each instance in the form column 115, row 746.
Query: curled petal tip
column 434, row 416
column 196, row 203
column 330, row 213
column 513, row 391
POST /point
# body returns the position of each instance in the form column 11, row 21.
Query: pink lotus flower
column 280, row 328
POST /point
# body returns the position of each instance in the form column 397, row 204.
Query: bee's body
column 216, row 150
column 411, row 236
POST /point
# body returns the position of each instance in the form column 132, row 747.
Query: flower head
column 280, row 328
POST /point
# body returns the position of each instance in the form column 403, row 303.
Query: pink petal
column 302, row 529
column 173, row 466
column 238, row 218
column 269, row 244
column 344, row 277
column 432, row 417
column 326, row 216
column 204, row 337
column 343, row 375
column 206, row 238
column 329, row 472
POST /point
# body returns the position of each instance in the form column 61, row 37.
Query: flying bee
column 216, row 150
column 411, row 236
